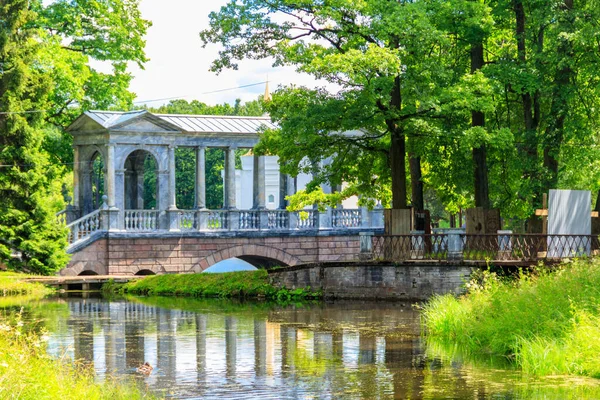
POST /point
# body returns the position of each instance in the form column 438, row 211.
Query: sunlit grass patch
column 242, row 284
column 28, row 372
column 547, row 323
column 12, row 283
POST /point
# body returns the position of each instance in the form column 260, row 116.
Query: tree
column 29, row 234
column 110, row 32
column 45, row 81
column 384, row 56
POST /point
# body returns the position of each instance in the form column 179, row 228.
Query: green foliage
column 403, row 69
column 45, row 81
column 29, row 185
column 545, row 322
column 243, row 284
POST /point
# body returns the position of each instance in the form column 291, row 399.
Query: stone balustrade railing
column 274, row 220
column 84, row 227
column 148, row 221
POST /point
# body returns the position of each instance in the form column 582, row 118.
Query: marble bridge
column 114, row 231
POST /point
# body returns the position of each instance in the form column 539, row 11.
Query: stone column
column 76, row 181
column 292, row 185
column 130, row 194
column 258, row 181
column 86, row 191
column 230, row 178
column 283, row 182
column 118, row 213
column 110, row 175
column 201, row 177
column 172, row 201
column 140, row 189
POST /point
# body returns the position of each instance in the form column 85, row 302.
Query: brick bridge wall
column 126, row 254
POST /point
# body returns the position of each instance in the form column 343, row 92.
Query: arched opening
column 232, row 264
column 92, row 183
column 144, row 272
column 263, row 262
column 87, row 273
column 141, row 184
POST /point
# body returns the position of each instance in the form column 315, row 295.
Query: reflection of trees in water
column 328, row 351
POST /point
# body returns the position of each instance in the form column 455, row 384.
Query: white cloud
column 179, row 66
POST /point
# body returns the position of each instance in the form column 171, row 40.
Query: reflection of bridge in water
column 194, row 353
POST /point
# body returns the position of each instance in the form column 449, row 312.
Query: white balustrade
column 141, row 220
column 249, row 219
column 219, row 220
column 61, row 217
column 215, row 220
column 308, row 219
column 278, row 219
column 187, row 220
column 343, row 218
column 85, row 226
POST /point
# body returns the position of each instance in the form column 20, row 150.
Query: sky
column 179, row 66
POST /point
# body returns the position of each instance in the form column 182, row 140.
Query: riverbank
column 242, row 284
column 546, row 322
column 26, row 370
column 12, row 284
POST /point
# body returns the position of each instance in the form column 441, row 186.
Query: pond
column 223, row 349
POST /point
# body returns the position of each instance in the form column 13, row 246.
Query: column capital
column 172, row 147
column 110, row 145
column 232, row 147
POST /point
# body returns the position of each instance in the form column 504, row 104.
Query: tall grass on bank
column 28, row 372
column 547, row 322
column 242, row 284
column 12, row 284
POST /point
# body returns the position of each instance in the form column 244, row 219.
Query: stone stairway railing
column 84, row 227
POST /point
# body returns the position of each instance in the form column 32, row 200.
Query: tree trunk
column 482, row 197
column 416, row 181
column 397, row 151
column 530, row 105
column 561, row 94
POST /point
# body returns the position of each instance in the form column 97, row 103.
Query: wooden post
column 543, row 212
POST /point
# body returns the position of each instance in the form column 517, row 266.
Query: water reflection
column 206, row 349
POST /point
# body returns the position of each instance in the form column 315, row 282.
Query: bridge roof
column 186, row 123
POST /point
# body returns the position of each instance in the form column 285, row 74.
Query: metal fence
column 513, row 248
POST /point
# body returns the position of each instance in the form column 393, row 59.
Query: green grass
column 26, row 370
column 243, row 284
column 546, row 323
column 12, row 283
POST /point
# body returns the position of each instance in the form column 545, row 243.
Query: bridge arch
column 87, row 272
column 256, row 255
column 143, row 269
column 145, row 272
